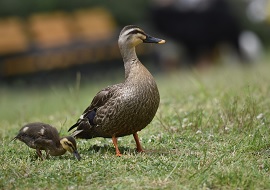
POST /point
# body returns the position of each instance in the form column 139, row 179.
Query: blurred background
column 46, row 40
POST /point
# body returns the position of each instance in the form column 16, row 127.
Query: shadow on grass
column 127, row 150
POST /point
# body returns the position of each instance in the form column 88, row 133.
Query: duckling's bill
column 151, row 39
column 77, row 155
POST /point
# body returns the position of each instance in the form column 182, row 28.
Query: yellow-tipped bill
column 151, row 39
column 162, row 42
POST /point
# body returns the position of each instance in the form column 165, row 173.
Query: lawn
column 211, row 132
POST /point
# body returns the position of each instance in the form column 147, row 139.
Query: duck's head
column 132, row 36
column 69, row 144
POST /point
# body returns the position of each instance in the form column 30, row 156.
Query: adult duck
column 125, row 108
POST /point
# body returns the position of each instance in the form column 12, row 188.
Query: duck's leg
column 138, row 144
column 118, row 153
column 47, row 154
column 39, row 153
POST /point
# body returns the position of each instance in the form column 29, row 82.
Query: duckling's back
column 33, row 133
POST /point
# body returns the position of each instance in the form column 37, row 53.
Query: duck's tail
column 73, row 126
column 88, row 116
column 75, row 133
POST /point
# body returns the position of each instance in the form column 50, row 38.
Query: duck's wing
column 101, row 98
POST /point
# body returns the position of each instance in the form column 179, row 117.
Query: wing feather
column 101, row 98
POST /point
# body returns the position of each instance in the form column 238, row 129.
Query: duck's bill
column 77, row 155
column 151, row 39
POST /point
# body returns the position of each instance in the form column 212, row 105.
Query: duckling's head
column 132, row 36
column 69, row 144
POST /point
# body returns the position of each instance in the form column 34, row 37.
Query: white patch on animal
column 42, row 131
column 25, row 129
column 81, row 117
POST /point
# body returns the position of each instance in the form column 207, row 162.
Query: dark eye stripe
column 136, row 32
column 70, row 145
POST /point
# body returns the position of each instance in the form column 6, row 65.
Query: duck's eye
column 69, row 145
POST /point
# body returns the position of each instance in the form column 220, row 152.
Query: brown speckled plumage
column 41, row 136
column 124, row 108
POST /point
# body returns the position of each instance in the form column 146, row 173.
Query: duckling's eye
column 69, row 144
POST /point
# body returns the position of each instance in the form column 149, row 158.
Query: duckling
column 125, row 108
column 41, row 136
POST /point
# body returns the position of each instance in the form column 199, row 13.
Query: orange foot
column 140, row 150
column 118, row 154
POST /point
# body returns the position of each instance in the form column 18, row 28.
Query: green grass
column 211, row 132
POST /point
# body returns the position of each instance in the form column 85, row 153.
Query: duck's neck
column 129, row 57
column 57, row 151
